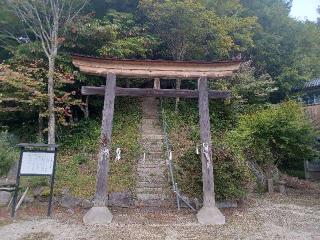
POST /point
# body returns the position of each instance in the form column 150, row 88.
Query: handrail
column 168, row 147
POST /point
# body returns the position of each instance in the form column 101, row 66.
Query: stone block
column 67, row 200
column 86, row 204
column 98, row 216
column 4, row 198
column 120, row 199
column 210, row 216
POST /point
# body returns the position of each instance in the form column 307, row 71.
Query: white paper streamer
column 118, row 154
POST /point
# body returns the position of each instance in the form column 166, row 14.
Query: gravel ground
column 294, row 216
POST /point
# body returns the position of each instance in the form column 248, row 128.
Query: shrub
column 232, row 176
column 280, row 135
column 8, row 154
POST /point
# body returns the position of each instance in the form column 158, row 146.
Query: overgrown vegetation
column 278, row 136
column 232, row 175
column 79, row 148
column 8, row 152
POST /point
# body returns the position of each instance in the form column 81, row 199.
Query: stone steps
column 154, row 203
column 151, row 196
column 148, row 168
column 153, row 190
column 151, row 185
column 152, row 181
column 151, row 155
column 150, row 131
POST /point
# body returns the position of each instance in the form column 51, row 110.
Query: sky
column 302, row 9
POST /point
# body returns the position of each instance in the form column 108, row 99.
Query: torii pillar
column 99, row 213
column 209, row 214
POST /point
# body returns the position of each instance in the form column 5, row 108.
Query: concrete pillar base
column 210, row 216
column 98, row 216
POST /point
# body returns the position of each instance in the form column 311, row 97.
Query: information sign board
column 37, row 163
column 36, row 160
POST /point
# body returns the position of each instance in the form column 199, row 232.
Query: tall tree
column 48, row 20
column 285, row 48
column 190, row 29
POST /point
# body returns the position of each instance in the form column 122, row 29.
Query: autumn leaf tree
column 23, row 84
column 48, row 21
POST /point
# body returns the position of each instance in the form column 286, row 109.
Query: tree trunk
column 40, row 128
column 51, row 122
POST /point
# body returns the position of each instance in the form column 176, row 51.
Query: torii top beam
column 155, row 68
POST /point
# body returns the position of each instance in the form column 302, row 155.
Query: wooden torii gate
column 156, row 69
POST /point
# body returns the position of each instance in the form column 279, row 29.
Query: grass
column 77, row 159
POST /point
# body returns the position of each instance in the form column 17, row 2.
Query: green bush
column 280, row 135
column 8, row 154
column 232, row 176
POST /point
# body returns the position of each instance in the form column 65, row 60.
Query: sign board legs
column 15, row 194
column 100, row 214
column 52, row 184
column 209, row 214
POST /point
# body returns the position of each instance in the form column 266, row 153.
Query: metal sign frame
column 34, row 148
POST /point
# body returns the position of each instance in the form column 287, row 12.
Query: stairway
column 152, row 182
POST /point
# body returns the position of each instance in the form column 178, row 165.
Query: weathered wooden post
column 99, row 213
column 209, row 213
column 157, row 83
column 86, row 109
column 178, row 87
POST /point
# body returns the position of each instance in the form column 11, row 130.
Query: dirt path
column 296, row 216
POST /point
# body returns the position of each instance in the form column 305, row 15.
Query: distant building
column 311, row 97
column 311, row 92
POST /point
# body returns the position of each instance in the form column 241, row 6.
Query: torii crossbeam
column 209, row 214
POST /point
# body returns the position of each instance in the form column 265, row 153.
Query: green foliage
column 279, row 135
column 284, row 48
column 118, row 34
column 8, row 153
column 250, row 89
column 128, row 48
column 11, row 31
column 80, row 145
column 231, row 175
column 72, row 137
column 189, row 30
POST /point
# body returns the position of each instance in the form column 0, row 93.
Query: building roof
column 155, row 68
column 312, row 84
